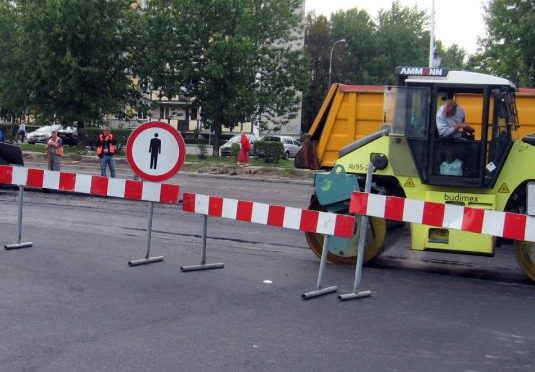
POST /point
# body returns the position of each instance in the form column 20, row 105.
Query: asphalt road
column 71, row 303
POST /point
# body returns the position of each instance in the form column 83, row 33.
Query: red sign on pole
column 155, row 151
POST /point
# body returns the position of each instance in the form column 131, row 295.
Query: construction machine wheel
column 344, row 251
column 525, row 255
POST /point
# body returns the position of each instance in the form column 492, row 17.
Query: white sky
column 456, row 21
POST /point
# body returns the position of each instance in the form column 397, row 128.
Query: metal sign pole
column 203, row 265
column 19, row 222
column 147, row 258
column 362, row 243
column 323, row 262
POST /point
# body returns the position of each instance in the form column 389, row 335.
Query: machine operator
column 450, row 120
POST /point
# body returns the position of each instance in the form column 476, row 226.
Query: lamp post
column 331, row 60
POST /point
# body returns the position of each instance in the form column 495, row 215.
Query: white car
column 41, row 135
column 291, row 145
column 226, row 147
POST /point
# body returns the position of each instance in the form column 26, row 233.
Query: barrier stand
column 19, row 234
column 362, row 242
column 203, row 265
column 319, row 291
column 147, row 259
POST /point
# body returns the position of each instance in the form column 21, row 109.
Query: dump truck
column 411, row 160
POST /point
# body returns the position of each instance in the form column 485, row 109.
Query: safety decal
column 409, row 183
column 504, row 189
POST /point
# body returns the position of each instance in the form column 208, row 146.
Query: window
column 164, row 112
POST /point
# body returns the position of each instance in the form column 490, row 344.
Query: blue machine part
column 334, row 187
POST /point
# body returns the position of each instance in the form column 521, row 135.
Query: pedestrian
column 54, row 151
column 22, row 132
column 243, row 157
column 106, row 152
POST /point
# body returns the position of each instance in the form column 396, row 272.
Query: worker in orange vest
column 106, row 152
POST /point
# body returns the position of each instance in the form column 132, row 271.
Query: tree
column 401, row 39
column 74, row 58
column 453, row 57
column 354, row 60
column 507, row 49
column 229, row 57
column 317, row 46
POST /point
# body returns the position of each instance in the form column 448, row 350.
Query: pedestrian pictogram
column 503, row 188
column 409, row 183
column 155, row 151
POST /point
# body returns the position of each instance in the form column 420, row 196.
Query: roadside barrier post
column 319, row 291
column 19, row 220
column 362, row 242
column 147, row 259
column 203, row 265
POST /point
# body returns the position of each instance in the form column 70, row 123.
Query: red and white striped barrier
column 94, row 185
column 481, row 221
column 273, row 215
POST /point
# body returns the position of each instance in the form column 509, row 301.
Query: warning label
column 503, row 188
column 409, row 183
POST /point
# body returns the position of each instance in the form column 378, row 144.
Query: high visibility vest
column 100, row 149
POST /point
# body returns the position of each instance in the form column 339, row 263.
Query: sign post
column 155, row 152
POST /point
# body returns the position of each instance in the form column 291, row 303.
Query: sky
column 456, row 21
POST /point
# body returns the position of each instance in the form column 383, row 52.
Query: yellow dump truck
column 351, row 112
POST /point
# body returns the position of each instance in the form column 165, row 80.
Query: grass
column 228, row 160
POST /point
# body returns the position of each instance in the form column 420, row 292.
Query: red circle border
column 181, row 149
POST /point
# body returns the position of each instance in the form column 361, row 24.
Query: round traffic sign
column 155, row 151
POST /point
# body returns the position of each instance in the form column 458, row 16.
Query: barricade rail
column 87, row 184
column 482, row 221
column 273, row 215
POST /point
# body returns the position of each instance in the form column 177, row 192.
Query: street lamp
column 331, row 60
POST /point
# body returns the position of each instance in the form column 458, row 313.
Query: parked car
column 69, row 136
column 226, row 147
column 42, row 134
column 291, row 145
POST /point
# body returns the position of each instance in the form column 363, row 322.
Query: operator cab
column 489, row 106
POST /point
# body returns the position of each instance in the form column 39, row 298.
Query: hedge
column 271, row 151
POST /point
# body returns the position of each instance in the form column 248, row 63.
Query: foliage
column 202, row 151
column 230, row 57
column 235, row 149
column 271, row 151
column 507, row 49
column 73, row 58
column 454, row 57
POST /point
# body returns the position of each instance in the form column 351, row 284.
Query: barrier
column 482, row 221
column 273, row 215
column 94, row 185
column 329, row 224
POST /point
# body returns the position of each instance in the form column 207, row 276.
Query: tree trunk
column 217, row 135
column 81, row 135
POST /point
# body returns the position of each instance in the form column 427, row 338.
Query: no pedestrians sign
column 155, row 151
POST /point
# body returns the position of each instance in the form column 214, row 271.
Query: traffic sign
column 155, row 151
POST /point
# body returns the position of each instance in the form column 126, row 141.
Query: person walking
column 243, row 157
column 106, row 152
column 22, row 132
column 54, row 151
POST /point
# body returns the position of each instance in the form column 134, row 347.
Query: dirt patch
column 192, row 167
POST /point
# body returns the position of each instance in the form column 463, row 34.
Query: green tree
column 75, row 58
column 353, row 60
column 317, row 44
column 402, row 38
column 230, row 57
column 454, row 57
column 507, row 49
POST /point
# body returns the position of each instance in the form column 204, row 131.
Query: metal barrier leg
column 362, row 242
column 147, row 259
column 19, row 234
column 203, row 265
column 319, row 291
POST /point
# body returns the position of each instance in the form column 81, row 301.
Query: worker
column 450, row 121
column 106, row 152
